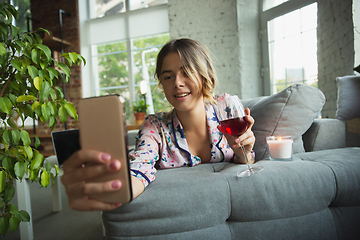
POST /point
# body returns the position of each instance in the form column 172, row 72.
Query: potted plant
column 139, row 109
column 28, row 88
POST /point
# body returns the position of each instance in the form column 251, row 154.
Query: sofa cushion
column 348, row 106
column 289, row 112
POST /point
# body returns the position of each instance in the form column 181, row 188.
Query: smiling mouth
column 182, row 95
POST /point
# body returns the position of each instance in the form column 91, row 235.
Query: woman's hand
column 82, row 166
column 247, row 140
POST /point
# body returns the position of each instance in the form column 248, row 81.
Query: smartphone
column 65, row 143
column 102, row 127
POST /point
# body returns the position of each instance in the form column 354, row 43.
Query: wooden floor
column 64, row 225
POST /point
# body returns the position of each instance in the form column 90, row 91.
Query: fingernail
column 116, row 184
column 105, row 157
column 237, row 140
column 114, row 165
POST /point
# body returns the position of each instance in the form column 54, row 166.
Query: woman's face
column 179, row 89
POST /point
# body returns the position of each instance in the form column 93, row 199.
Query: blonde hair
column 197, row 64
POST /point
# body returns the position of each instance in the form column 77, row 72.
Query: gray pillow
column 348, row 106
column 289, row 112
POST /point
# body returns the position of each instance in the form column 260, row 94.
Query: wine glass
column 231, row 115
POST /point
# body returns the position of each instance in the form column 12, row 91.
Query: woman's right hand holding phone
column 82, row 166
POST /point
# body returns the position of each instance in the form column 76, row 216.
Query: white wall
column 335, row 48
column 229, row 28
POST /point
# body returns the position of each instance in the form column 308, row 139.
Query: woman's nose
column 179, row 81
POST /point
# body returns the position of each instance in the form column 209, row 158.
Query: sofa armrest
column 325, row 133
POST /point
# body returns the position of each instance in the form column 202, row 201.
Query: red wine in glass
column 233, row 121
column 235, row 126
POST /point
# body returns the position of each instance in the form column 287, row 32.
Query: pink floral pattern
column 161, row 144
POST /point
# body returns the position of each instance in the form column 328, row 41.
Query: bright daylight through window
column 110, row 7
column 292, row 42
column 124, row 38
column 111, row 64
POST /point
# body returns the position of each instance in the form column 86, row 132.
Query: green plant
column 27, row 89
column 140, row 106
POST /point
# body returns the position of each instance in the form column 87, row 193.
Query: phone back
column 102, row 124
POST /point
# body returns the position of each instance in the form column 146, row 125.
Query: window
column 291, row 47
column 101, row 8
column 267, row 4
column 23, row 8
column 111, row 70
column 121, row 50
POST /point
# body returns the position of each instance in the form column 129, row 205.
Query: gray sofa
column 315, row 196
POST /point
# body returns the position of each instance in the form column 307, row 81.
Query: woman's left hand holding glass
column 247, row 140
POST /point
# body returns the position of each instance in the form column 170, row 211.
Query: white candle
column 280, row 147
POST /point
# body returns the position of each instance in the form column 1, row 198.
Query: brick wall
column 47, row 13
column 229, row 28
column 335, row 48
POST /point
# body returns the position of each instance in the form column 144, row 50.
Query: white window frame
column 269, row 15
column 125, row 26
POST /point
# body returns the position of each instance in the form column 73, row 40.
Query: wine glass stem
column 247, row 160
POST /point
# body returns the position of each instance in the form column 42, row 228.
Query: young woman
column 187, row 136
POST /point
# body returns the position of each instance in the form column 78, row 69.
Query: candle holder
column 280, row 148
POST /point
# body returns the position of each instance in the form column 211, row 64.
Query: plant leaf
column 35, row 105
column 7, row 136
column 24, row 135
column 8, row 164
column 9, row 194
column 5, row 105
column 25, row 216
column 45, row 91
column 45, row 178
column 52, row 72
column 28, row 111
column 60, row 92
column 15, row 134
column 63, row 115
column 25, row 98
column 29, row 152
column 65, row 68
column 73, row 56
column 2, row 49
column 45, row 49
column 4, row 225
column 57, row 169
column 19, row 169
column 36, row 162
column 38, row 81
column 14, row 223
column 33, row 71
column 2, row 181
column 11, row 122
column 45, row 111
column 71, row 110
column 34, row 56
column 52, row 121
column 37, row 141
column 53, row 94
column 16, row 64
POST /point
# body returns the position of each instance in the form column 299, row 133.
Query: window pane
column 145, row 52
column 110, row 68
column 292, row 23
column 267, row 4
column 100, row 8
column 309, row 17
column 23, row 8
column 137, row 4
column 292, row 48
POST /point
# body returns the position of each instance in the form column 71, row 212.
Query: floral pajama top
column 161, row 143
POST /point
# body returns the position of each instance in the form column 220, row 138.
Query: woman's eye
column 167, row 77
